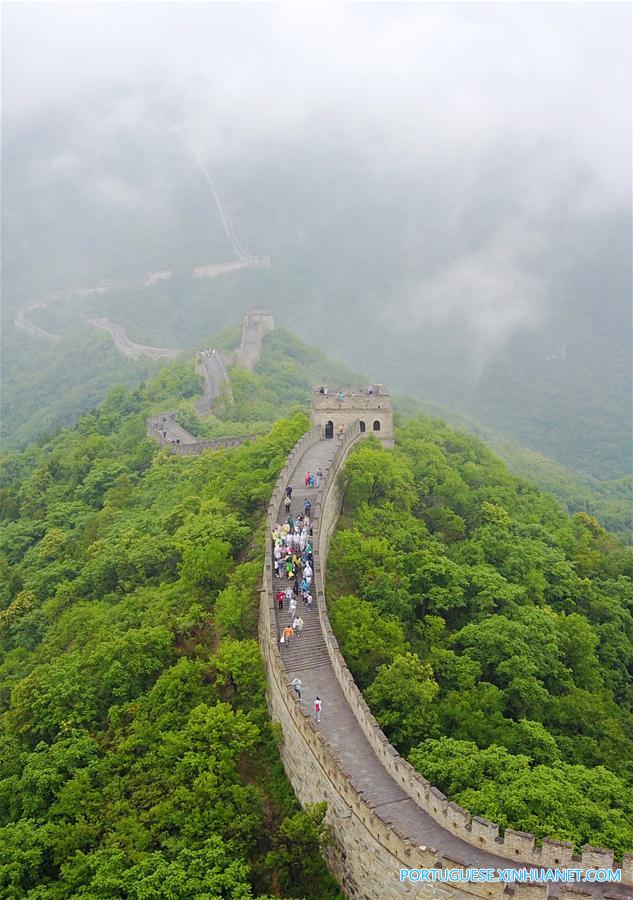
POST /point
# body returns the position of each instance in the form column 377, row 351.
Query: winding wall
column 257, row 323
column 383, row 815
column 212, row 370
column 165, row 430
column 211, row 366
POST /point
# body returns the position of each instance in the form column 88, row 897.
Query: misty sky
column 452, row 90
column 419, row 79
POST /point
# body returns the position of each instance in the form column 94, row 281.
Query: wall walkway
column 383, row 815
column 211, row 366
column 165, row 430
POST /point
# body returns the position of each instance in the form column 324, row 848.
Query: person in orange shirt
column 288, row 632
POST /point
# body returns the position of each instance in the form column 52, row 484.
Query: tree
column 206, row 566
column 367, row 641
column 402, row 697
column 295, row 859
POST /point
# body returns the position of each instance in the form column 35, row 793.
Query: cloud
column 425, row 81
column 501, row 119
column 488, row 294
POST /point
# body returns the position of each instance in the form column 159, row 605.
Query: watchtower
column 335, row 410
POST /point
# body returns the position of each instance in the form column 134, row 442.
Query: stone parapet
column 181, row 442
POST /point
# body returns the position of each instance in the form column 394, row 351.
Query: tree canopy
column 136, row 755
column 498, row 634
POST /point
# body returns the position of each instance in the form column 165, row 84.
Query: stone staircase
column 308, row 651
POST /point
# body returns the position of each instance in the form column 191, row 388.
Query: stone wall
column 211, row 368
column 357, row 405
column 216, row 444
column 367, row 850
column 257, row 323
column 188, row 444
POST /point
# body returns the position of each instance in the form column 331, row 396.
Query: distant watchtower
column 371, row 407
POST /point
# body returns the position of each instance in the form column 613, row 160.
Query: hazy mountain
column 457, row 230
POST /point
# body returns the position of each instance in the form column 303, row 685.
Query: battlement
column 337, row 409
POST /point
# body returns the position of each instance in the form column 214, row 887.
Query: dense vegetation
column 136, row 755
column 610, row 500
column 491, row 634
column 49, row 385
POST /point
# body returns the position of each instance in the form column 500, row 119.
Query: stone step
column 313, row 646
column 305, row 651
column 300, row 670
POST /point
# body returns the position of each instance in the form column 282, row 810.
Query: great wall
column 212, row 366
column 131, row 349
column 127, row 347
column 382, row 814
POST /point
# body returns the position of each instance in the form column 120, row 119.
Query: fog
column 455, row 165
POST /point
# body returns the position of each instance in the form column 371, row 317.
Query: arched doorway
column 376, row 425
column 362, row 426
column 329, row 429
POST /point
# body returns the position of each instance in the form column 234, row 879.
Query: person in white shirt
column 298, row 625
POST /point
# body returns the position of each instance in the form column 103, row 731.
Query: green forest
column 48, row 386
column 137, row 758
column 491, row 634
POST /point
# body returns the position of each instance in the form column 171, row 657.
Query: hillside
column 136, row 753
column 491, row 634
column 45, row 387
column 608, row 500
column 136, row 747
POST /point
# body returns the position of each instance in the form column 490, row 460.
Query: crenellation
column 627, row 868
column 596, row 857
column 556, row 853
column 438, row 801
column 518, row 843
column 574, row 892
column 457, row 816
column 530, row 892
column 484, row 832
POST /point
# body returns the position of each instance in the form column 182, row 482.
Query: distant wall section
column 211, row 367
column 257, row 324
column 165, row 430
